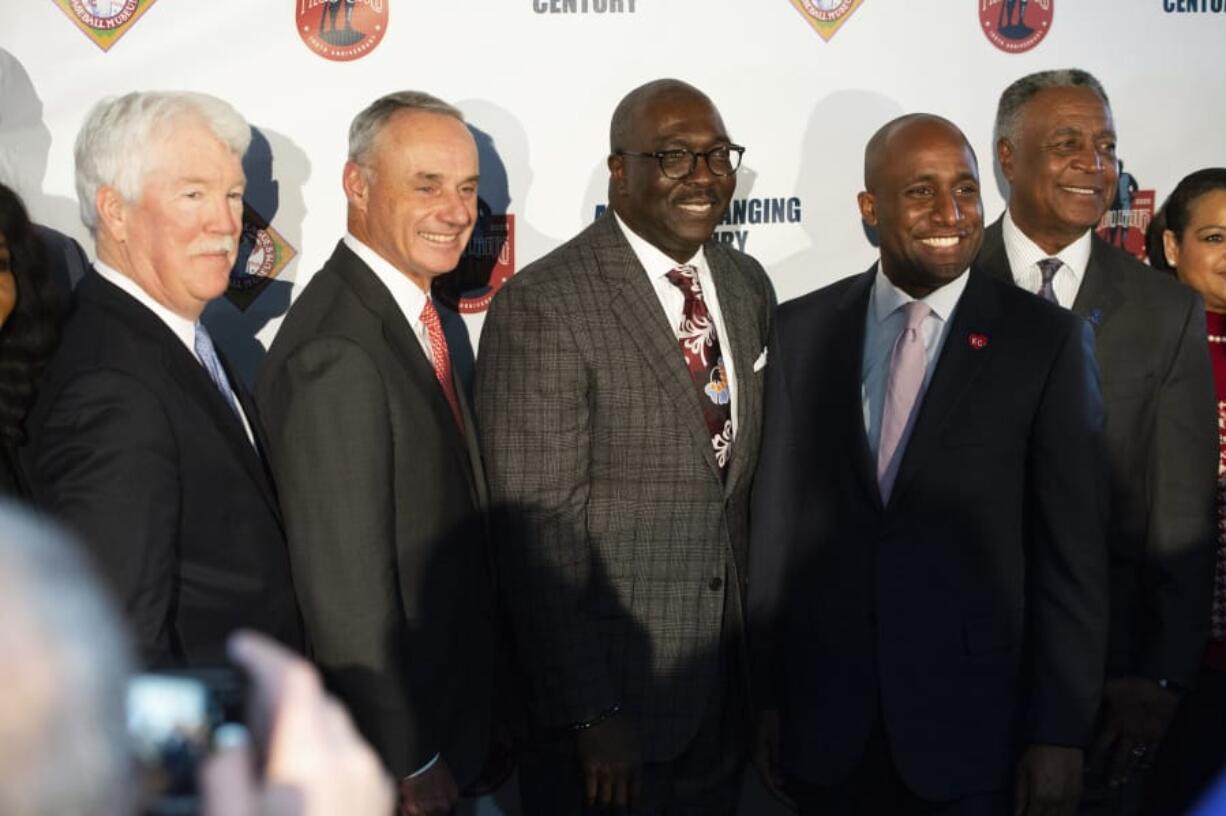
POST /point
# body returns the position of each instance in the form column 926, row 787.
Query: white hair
column 66, row 662
column 113, row 145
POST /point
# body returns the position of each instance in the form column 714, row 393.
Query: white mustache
column 210, row 246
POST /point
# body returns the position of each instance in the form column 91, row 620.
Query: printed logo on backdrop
column 826, row 16
column 1193, row 6
column 105, row 21
column 1126, row 220
column 584, row 6
column 743, row 213
column 1015, row 26
column 342, row 30
column 262, row 254
column 487, row 263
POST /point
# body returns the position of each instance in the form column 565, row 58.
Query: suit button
column 716, row 584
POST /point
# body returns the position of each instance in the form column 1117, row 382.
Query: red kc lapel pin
column 978, row 341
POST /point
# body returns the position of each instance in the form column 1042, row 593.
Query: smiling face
column 923, row 199
column 179, row 238
column 1062, row 170
column 413, row 199
column 674, row 215
column 1199, row 255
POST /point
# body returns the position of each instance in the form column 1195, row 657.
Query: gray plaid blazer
column 617, row 538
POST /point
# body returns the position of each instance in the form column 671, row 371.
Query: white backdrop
column 541, row 81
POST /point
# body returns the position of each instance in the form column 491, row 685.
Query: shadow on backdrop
column 260, row 289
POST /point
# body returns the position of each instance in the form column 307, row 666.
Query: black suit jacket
column 133, row 445
column 972, row 610
column 1162, row 444
column 384, row 501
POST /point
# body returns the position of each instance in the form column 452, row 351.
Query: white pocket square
column 760, row 363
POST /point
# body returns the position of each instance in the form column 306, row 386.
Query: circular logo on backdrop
column 1015, row 26
column 104, row 14
column 341, row 30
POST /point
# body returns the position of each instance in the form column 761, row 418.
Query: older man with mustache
column 141, row 438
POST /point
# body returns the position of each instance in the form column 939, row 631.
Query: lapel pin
column 1096, row 316
column 978, row 341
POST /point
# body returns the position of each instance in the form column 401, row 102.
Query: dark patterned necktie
column 1048, row 267
column 699, row 342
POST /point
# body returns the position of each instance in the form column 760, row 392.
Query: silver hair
column 367, row 125
column 66, row 659
column 113, row 145
column 1015, row 97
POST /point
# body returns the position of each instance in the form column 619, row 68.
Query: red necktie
column 699, row 342
column 441, row 359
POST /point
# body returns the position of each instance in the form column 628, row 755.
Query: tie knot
column 915, row 312
column 685, row 278
column 1048, row 267
column 429, row 316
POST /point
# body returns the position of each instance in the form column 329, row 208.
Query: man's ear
column 1004, row 155
column 356, row 185
column 112, row 213
column 868, row 208
column 617, row 174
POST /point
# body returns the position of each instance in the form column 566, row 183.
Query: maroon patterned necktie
column 699, row 342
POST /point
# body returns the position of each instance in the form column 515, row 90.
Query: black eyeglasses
column 723, row 160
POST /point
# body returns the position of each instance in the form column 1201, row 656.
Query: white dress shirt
column 1024, row 256
column 883, row 323
column 672, row 299
column 179, row 326
column 408, row 296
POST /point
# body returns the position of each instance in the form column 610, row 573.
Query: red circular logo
column 341, row 30
column 1015, row 26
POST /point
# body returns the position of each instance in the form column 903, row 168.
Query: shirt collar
column 182, row 328
column 409, row 297
column 653, row 260
column 888, row 298
column 1024, row 253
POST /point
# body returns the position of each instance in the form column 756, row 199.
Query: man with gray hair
column 376, row 457
column 1055, row 141
column 140, row 438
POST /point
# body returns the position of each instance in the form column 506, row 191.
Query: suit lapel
column 743, row 344
column 956, row 368
column 1099, row 296
column 633, row 302
column 186, row 370
column 847, row 357
column 405, row 345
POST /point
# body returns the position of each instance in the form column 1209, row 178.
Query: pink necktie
column 441, row 358
column 907, row 365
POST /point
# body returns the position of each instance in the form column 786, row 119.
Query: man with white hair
column 141, row 439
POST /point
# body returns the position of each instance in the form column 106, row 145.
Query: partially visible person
column 65, row 661
column 1056, row 146
column 29, row 329
column 1188, row 237
column 141, row 438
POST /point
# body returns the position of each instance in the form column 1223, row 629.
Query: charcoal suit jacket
column 133, row 445
column 1162, row 446
column 384, row 502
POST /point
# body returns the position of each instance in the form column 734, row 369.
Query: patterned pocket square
column 760, row 363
